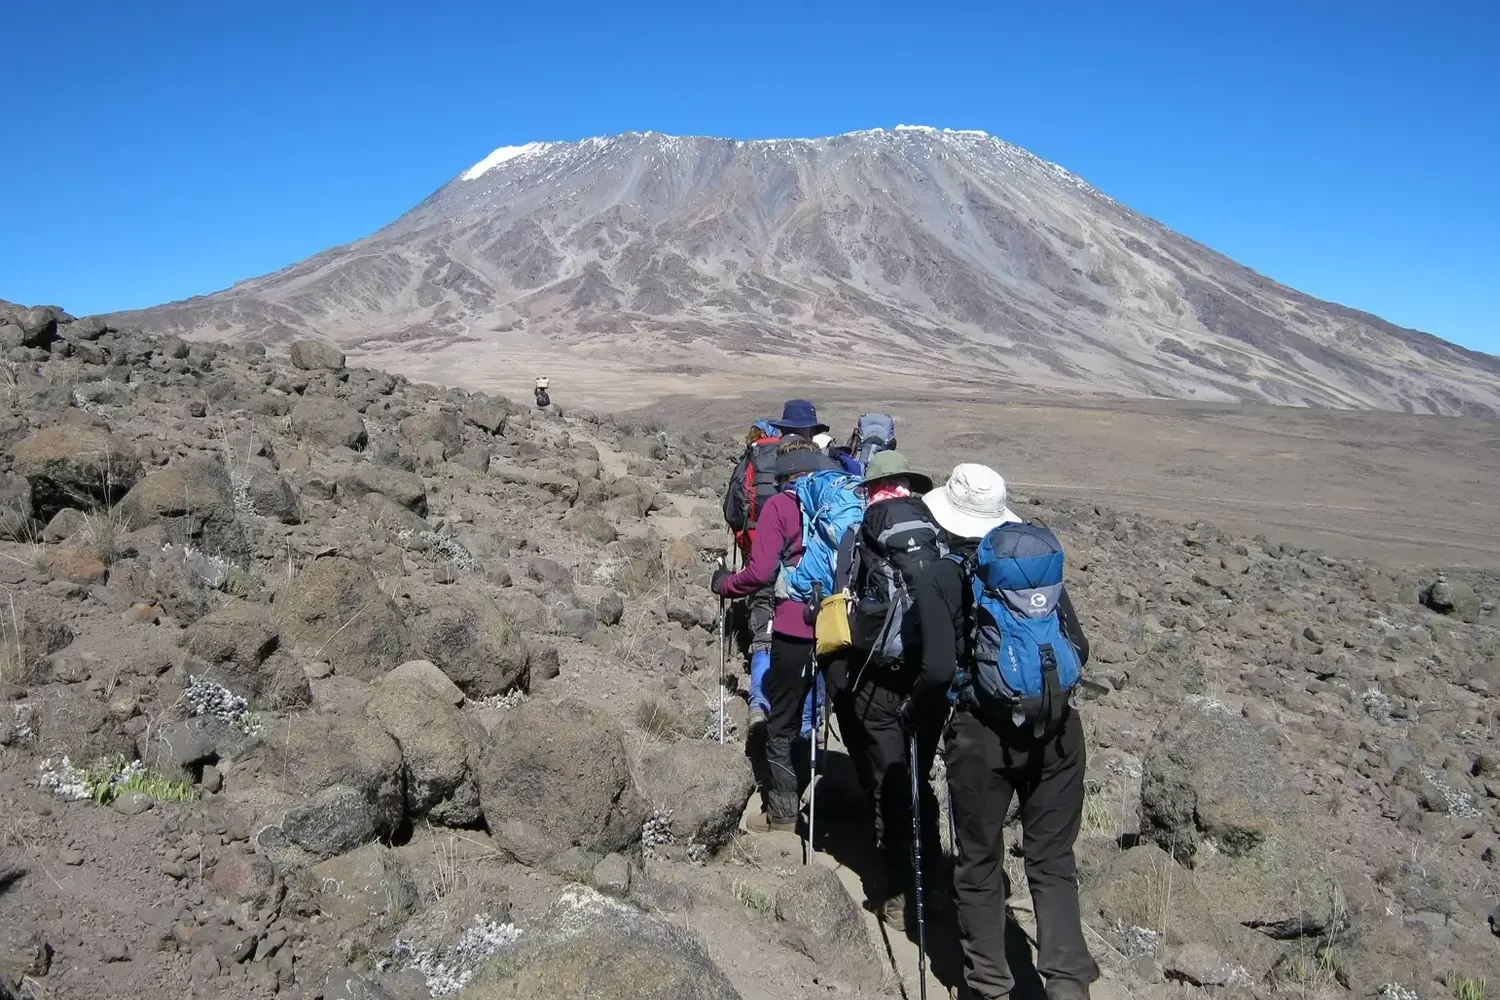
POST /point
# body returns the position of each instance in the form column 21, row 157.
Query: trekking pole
column 723, row 658
column 812, row 780
column 916, row 852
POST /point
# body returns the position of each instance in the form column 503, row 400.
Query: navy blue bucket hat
column 801, row 417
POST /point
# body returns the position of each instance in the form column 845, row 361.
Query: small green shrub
column 107, row 779
column 1464, row 987
column 753, row 899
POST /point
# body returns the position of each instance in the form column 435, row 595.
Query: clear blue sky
column 163, row 148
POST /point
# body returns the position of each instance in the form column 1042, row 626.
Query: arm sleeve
column 938, row 597
column 771, row 537
column 1068, row 619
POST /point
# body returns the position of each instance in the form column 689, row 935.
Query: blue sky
column 166, row 148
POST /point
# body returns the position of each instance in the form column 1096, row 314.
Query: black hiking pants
column 988, row 763
column 786, row 685
column 870, row 724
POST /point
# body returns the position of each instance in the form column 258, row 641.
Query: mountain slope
column 915, row 250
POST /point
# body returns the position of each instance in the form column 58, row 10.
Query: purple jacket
column 778, row 536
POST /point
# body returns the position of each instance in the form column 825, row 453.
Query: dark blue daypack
column 1021, row 664
column 831, row 505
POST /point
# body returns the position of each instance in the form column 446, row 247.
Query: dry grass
column 10, row 384
column 100, row 535
column 15, row 668
column 664, row 720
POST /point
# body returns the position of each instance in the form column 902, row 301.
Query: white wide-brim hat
column 972, row 503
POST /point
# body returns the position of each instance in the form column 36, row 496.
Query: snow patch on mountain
column 499, row 156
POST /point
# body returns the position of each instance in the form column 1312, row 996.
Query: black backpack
column 898, row 541
column 751, row 486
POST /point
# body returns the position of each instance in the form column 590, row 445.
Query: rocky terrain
column 318, row 682
column 912, row 254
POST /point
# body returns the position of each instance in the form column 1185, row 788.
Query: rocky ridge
column 317, row 682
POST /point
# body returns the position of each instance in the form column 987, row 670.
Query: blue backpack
column 831, row 506
column 1021, row 665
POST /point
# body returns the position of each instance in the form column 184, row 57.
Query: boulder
column 193, row 499
column 820, row 920
column 706, row 788
column 64, row 525
column 75, row 464
column 589, row 945
column 438, row 743
column 404, row 488
column 475, row 642
column 1453, row 598
column 1211, row 774
column 336, row 610
column 370, row 889
column 315, row 355
column 555, row 776
column 331, row 821
column 1144, row 888
column 312, row 755
column 444, row 427
column 487, row 416
column 424, row 673
column 272, row 496
column 327, row 423
column 238, row 638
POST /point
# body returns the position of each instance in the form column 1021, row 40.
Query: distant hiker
column 777, row 545
column 896, row 543
column 542, row 399
column 873, row 433
column 846, row 461
column 751, row 486
column 1013, row 732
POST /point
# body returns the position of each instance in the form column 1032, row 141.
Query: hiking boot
column 765, row 823
column 893, row 912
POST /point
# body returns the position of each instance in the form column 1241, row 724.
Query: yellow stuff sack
column 832, row 628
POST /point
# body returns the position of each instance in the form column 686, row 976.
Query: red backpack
column 753, row 485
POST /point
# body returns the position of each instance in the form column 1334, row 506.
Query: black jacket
column 940, row 601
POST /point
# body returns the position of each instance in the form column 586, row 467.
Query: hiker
column 873, row 433
column 1013, row 730
column 542, row 399
column 878, row 565
column 777, row 544
column 751, row 485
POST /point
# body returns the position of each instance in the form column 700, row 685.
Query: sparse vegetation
column 660, row 718
column 1321, row 969
column 14, row 666
column 1464, row 987
column 753, row 899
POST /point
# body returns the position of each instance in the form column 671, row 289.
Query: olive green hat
column 888, row 464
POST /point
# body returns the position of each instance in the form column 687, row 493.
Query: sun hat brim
column 957, row 522
column 919, row 483
column 805, row 430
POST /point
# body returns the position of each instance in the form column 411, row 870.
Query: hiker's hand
column 717, row 583
column 908, row 715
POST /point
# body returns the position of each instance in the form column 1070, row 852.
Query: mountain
column 915, row 251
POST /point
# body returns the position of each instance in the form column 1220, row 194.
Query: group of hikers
column 921, row 616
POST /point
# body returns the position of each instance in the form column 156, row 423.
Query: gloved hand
column 717, row 583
